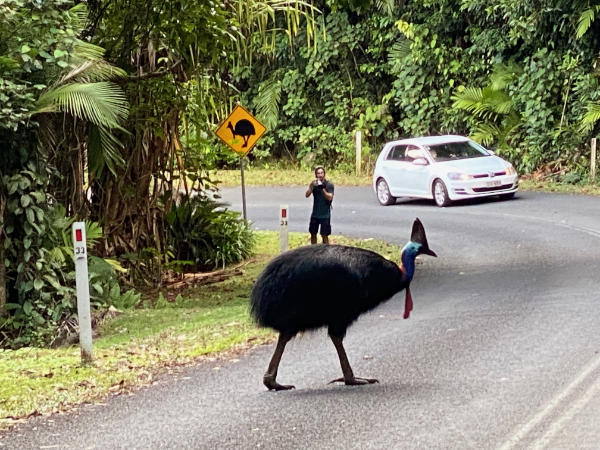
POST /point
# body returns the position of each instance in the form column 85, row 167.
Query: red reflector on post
column 284, row 213
column 78, row 235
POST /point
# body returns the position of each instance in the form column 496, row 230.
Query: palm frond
column 92, row 71
column 469, row 99
column 585, row 20
column 386, row 6
column 504, row 74
column 102, row 103
column 103, row 151
column 505, row 106
column 110, row 146
column 495, row 101
column 78, row 16
column 399, row 51
column 86, row 51
column 591, row 116
column 511, row 124
column 267, row 102
column 486, row 134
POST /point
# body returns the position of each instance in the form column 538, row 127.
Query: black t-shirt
column 322, row 206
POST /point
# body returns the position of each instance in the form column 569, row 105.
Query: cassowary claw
column 356, row 381
column 273, row 385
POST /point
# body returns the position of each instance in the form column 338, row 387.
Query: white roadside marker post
column 283, row 229
column 83, row 291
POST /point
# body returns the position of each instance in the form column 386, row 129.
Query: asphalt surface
column 501, row 350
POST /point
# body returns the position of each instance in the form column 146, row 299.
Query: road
column 501, row 350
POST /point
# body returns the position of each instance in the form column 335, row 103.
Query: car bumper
column 477, row 188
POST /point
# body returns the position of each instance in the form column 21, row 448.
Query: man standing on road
column 322, row 192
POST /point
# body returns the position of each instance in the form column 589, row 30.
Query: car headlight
column 459, row 176
column 510, row 170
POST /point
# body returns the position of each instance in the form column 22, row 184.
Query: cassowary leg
column 348, row 377
column 271, row 375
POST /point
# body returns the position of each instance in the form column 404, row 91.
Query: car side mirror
column 420, row 162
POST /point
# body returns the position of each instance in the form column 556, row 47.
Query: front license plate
column 493, row 183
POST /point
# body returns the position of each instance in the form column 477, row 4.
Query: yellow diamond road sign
column 241, row 130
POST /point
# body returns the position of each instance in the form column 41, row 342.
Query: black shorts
column 313, row 227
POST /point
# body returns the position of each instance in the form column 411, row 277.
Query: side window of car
column 397, row 153
column 413, row 153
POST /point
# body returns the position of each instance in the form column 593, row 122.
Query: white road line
column 522, row 432
column 557, row 425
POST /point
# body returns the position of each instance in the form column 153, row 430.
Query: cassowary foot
column 272, row 385
column 355, row 381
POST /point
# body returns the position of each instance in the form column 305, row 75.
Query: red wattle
column 408, row 304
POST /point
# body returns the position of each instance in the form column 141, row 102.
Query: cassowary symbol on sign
column 242, row 128
column 329, row 285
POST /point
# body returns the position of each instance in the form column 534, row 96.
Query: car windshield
column 452, row 151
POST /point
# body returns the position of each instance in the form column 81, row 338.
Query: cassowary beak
column 418, row 235
column 427, row 251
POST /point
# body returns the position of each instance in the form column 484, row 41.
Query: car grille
column 486, row 175
column 494, row 188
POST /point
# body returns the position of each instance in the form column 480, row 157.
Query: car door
column 395, row 168
column 416, row 177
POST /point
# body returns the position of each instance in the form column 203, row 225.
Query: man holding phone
column 322, row 192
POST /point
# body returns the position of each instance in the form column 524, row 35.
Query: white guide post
column 83, row 291
column 593, row 162
column 283, row 229
column 358, row 139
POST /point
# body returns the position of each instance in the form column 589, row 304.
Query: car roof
column 430, row 140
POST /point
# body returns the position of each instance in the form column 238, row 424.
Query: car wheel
column 440, row 194
column 383, row 193
column 507, row 196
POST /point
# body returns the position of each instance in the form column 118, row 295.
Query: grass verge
column 281, row 177
column 204, row 322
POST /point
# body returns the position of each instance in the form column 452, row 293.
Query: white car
column 443, row 168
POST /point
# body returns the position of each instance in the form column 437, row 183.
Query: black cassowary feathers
column 323, row 285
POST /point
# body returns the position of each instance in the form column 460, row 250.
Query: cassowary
column 242, row 128
column 329, row 285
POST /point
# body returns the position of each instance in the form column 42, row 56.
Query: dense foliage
column 94, row 102
column 518, row 76
column 44, row 69
column 202, row 235
column 108, row 107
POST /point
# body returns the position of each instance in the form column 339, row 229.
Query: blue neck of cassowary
column 409, row 253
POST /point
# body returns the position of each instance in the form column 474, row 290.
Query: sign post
column 241, row 131
column 283, row 229
column 83, row 291
column 243, row 188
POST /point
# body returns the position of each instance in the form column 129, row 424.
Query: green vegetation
column 107, row 115
column 173, row 329
column 517, row 76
